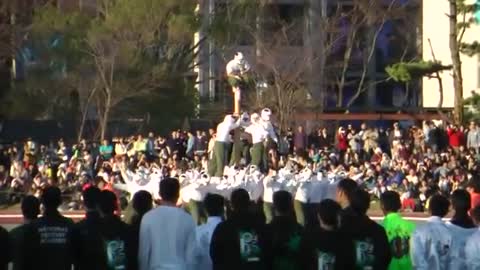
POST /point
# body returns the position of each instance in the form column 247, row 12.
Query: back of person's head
column 30, row 207
column 346, row 188
column 51, row 198
column 90, row 197
column 107, row 202
column 240, row 200
column 439, row 205
column 475, row 214
column 461, row 201
column 390, row 201
column 170, row 189
column 283, row 202
column 214, row 205
column 142, row 202
column 360, row 201
column 328, row 212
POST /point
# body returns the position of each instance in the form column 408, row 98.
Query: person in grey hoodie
column 473, row 137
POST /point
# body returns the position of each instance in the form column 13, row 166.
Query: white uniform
column 460, row 236
column 259, row 134
column 472, row 251
column 237, row 67
column 432, row 246
column 204, row 238
column 224, row 128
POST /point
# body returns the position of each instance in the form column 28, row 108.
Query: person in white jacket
column 432, row 242
column 219, row 158
column 259, row 136
column 167, row 234
column 472, row 248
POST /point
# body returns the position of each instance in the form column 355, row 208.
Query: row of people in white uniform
column 441, row 245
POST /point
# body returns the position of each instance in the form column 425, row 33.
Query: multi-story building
column 394, row 40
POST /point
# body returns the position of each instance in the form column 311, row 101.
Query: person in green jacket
column 399, row 231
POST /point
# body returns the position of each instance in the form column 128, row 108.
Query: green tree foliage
column 472, row 107
column 134, row 53
column 406, row 72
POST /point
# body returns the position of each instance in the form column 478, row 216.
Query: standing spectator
column 88, row 246
column 432, row 242
column 214, row 205
column 5, row 249
column 142, row 202
column 238, row 243
column 461, row 204
column 354, row 141
column 106, row 150
column 342, row 141
column 48, row 242
column 399, row 231
column 300, row 140
column 30, row 211
column 191, row 144
column 323, row 139
column 473, row 137
column 473, row 188
column 472, row 248
column 114, row 234
column 325, row 247
column 151, row 153
column 370, row 141
column 455, row 137
column 284, row 234
column 140, row 145
column 167, row 233
column 290, row 140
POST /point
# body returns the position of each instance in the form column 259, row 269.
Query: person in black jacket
column 142, row 202
column 30, row 211
column 283, row 234
column 461, row 203
column 325, row 247
column 370, row 240
column 115, row 235
column 4, row 249
column 86, row 237
column 238, row 243
column 48, row 240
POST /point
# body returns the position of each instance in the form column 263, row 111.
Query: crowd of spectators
column 416, row 161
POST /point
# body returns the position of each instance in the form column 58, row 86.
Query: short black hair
column 170, row 189
column 390, row 201
column 214, row 205
column 283, row 202
column 30, row 207
column 90, row 197
column 142, row 202
column 329, row 211
column 240, row 200
column 475, row 214
column 439, row 205
column 51, row 198
column 349, row 187
column 107, row 202
column 360, row 201
column 461, row 201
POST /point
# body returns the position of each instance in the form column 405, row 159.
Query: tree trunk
column 85, row 113
column 106, row 112
column 457, row 64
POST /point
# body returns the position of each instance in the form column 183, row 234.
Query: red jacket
column 455, row 137
column 342, row 142
column 475, row 199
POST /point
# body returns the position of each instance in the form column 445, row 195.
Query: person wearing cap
column 236, row 72
column 219, row 159
column 265, row 121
